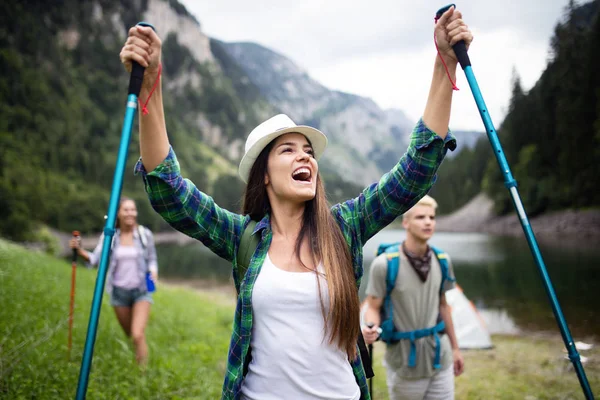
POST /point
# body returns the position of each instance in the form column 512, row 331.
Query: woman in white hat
column 296, row 324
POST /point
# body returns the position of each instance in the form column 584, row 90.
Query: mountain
column 365, row 141
column 62, row 96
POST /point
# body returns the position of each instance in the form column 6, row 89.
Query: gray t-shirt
column 416, row 306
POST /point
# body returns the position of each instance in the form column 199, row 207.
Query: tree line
column 550, row 135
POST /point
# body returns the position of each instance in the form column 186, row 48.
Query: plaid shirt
column 194, row 213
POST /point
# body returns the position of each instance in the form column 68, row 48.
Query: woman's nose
column 302, row 156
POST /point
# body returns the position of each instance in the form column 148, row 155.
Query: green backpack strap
column 248, row 245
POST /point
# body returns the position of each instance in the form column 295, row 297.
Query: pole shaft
column 71, row 307
column 108, row 235
column 511, row 184
column 372, row 363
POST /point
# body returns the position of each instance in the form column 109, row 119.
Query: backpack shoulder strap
column 387, row 315
column 112, row 241
column 143, row 232
column 383, row 246
column 393, row 266
column 248, row 244
column 443, row 260
column 392, row 255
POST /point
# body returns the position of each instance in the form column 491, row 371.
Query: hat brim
column 317, row 139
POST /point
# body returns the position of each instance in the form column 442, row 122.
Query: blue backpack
column 389, row 333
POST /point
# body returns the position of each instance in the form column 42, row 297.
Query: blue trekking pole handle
column 135, row 85
column 511, row 184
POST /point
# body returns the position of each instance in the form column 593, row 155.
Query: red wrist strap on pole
column 144, row 108
column 454, row 87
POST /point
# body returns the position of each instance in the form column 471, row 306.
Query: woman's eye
column 287, row 150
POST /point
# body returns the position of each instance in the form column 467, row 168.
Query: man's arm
column 372, row 314
column 373, row 318
column 376, row 290
column 446, row 315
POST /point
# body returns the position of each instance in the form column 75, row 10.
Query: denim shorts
column 121, row 297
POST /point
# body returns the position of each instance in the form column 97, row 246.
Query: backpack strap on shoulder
column 143, row 232
column 393, row 261
column 383, row 247
column 443, row 260
column 112, row 242
column 393, row 266
column 248, row 244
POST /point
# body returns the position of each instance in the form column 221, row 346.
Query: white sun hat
column 271, row 129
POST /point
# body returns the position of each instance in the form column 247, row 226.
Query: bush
column 50, row 243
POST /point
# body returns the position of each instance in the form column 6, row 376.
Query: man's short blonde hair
column 427, row 200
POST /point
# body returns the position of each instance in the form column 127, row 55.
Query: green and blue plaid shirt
column 194, row 213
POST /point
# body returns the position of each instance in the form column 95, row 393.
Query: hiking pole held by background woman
column 72, row 303
column 135, row 85
column 461, row 54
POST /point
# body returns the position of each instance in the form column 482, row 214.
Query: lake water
column 498, row 274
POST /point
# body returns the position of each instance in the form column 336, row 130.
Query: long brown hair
column 327, row 243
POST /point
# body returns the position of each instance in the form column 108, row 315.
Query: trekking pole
column 370, row 347
column 370, row 325
column 371, row 379
column 72, row 303
column 511, row 184
column 135, row 85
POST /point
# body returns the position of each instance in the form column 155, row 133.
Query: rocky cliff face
column 221, row 90
column 187, row 29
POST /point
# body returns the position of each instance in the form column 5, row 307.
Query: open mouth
column 302, row 175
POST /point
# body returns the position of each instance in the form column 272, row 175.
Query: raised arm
column 144, row 46
column 449, row 30
column 415, row 173
column 176, row 199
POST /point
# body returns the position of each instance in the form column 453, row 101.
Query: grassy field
column 188, row 335
column 517, row 368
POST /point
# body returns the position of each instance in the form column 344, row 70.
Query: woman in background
column 133, row 256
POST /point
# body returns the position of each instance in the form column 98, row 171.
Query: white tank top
column 291, row 358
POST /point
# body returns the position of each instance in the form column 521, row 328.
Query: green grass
column 517, row 367
column 188, row 334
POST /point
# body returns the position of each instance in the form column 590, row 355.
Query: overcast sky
column 383, row 49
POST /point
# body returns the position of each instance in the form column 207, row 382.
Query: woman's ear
column 267, row 180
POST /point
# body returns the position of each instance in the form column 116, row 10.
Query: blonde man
column 422, row 355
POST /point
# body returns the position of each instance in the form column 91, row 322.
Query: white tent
column 470, row 328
